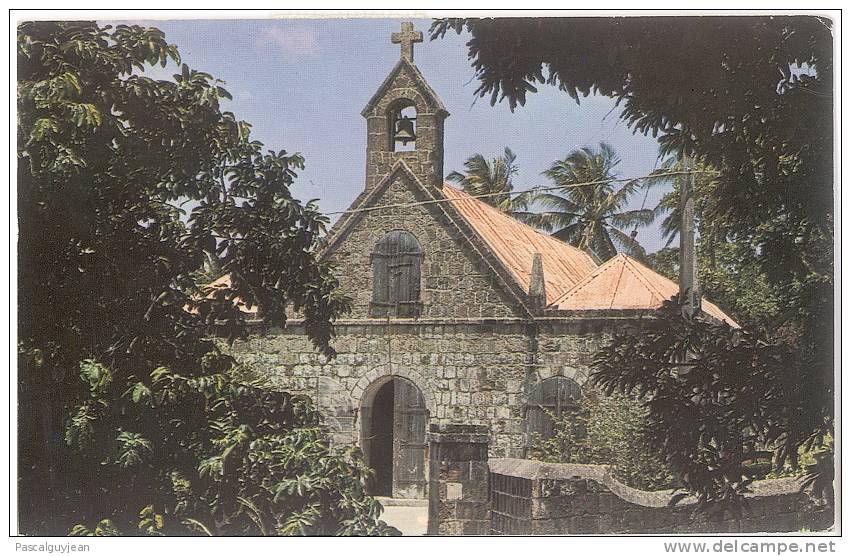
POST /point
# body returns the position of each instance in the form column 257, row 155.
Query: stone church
column 461, row 314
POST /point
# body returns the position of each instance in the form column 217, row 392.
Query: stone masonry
column 458, row 480
column 534, row 498
column 478, row 344
column 477, row 371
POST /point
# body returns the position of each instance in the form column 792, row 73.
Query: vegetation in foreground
column 131, row 420
column 759, row 113
column 607, row 430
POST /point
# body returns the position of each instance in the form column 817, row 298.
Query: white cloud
column 291, row 41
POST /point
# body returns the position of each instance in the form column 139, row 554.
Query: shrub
column 607, row 430
column 216, row 455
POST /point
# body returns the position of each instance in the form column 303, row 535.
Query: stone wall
column 476, row 372
column 468, row 373
column 404, row 85
column 534, row 498
column 566, row 347
column 455, row 283
column 458, row 480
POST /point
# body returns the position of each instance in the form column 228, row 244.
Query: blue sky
column 302, row 83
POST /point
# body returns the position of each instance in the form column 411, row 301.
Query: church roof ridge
column 362, row 200
column 439, row 202
column 573, row 280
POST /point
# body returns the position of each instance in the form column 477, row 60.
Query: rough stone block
column 454, row 491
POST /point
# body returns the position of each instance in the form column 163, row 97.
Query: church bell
column 404, row 132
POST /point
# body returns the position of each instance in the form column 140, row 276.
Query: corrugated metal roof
column 574, row 282
column 208, row 290
column 515, row 244
column 622, row 283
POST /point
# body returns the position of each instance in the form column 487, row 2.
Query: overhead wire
column 520, row 192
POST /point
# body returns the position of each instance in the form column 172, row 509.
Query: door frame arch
column 410, row 423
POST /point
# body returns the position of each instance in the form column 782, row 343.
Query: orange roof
column 208, row 290
column 515, row 244
column 622, row 283
column 573, row 280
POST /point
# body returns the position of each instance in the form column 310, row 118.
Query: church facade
column 460, row 313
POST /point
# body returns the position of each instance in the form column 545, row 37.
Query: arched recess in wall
column 394, row 419
column 402, row 119
column 550, row 400
column 362, row 386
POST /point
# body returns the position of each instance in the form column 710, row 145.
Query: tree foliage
column 127, row 187
column 750, row 97
column 730, row 277
column 245, row 460
column 717, row 396
column 671, row 172
column 592, row 217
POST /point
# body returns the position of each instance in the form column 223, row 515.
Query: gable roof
column 434, row 199
column 418, row 79
column 514, row 244
column 573, row 280
column 622, row 283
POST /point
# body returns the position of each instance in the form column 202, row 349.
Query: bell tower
column 404, row 120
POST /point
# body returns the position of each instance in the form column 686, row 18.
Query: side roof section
column 622, row 283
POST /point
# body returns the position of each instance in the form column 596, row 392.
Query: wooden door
column 410, row 418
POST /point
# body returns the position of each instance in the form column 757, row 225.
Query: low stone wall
column 535, row 498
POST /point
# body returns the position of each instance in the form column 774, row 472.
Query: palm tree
column 669, row 205
column 491, row 181
column 590, row 217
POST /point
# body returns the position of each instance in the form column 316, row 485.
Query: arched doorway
column 393, row 437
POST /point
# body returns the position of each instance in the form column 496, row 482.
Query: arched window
column 396, row 276
column 550, row 400
column 403, row 126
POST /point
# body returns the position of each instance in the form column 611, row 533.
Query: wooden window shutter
column 380, row 286
column 396, row 275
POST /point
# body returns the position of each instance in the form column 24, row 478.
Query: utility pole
column 689, row 289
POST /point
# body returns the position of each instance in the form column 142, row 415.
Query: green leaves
column 610, row 430
column 42, row 128
column 150, row 522
column 139, row 392
column 84, row 114
column 80, row 430
column 590, row 217
column 232, row 457
column 716, row 397
column 297, row 486
column 132, row 449
column 491, row 181
column 63, row 87
column 300, row 523
column 127, row 187
column 97, row 376
column 211, row 467
column 104, row 528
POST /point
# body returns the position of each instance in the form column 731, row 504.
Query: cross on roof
column 407, row 37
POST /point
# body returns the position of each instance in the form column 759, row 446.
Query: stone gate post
column 458, row 480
